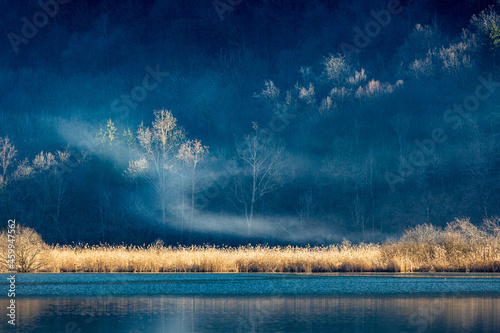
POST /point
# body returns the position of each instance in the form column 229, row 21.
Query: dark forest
column 238, row 121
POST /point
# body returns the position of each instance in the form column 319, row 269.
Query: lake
column 133, row 303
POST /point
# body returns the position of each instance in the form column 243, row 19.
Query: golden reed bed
column 460, row 247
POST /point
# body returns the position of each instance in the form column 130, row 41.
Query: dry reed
column 459, row 247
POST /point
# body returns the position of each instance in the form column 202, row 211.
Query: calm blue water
column 132, row 303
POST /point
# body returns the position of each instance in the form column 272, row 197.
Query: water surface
column 255, row 303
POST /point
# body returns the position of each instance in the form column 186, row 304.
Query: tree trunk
column 183, row 207
column 252, row 203
column 192, row 204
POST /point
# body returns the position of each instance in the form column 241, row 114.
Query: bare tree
column 109, row 135
column 263, row 160
column 52, row 185
column 192, row 153
column 7, row 154
column 8, row 173
column 307, row 207
column 48, row 172
column 103, row 203
column 479, row 152
column 401, row 125
column 158, row 147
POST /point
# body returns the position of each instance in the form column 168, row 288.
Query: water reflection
column 257, row 314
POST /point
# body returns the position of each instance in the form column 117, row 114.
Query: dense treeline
column 125, row 121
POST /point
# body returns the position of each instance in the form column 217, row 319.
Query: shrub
column 462, row 236
column 492, row 226
column 29, row 250
column 461, row 246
